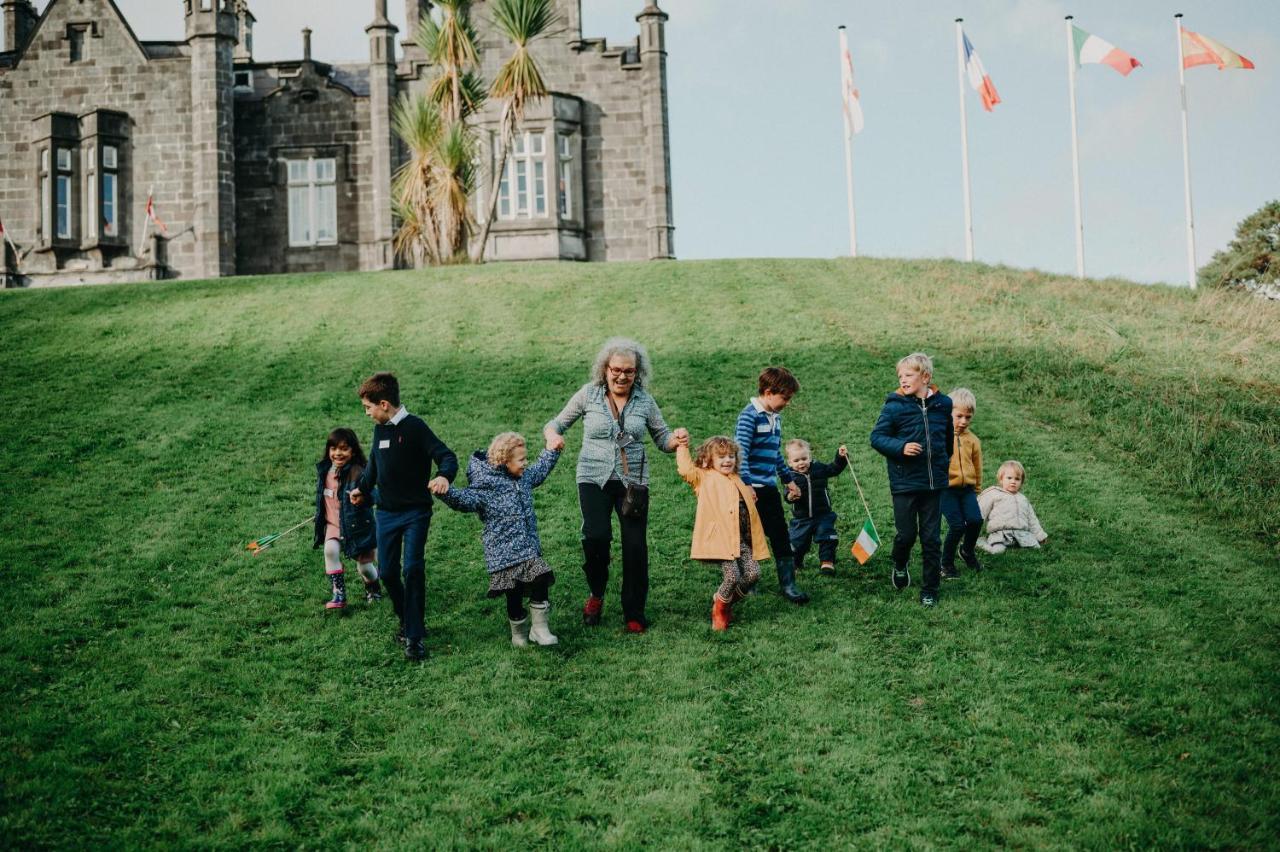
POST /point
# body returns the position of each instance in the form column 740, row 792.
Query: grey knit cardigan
column 599, row 461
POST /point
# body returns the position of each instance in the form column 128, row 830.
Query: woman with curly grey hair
column 616, row 410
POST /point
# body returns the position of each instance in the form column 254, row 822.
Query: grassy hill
column 1119, row 688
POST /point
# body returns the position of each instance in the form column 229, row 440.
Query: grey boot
column 540, row 631
column 519, row 632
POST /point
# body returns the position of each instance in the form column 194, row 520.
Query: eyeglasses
column 622, row 371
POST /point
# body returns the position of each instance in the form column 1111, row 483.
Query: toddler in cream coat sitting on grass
column 1011, row 522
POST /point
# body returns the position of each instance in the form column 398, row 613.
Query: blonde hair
column 1012, row 464
column 799, row 442
column 503, row 447
column 718, row 445
column 918, row 361
column 963, row 398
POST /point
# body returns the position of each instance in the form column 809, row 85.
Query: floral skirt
column 515, row 577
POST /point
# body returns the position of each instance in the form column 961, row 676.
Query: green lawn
column 162, row 687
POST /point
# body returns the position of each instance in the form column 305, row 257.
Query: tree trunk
column 504, row 146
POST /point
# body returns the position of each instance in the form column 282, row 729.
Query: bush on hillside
column 1252, row 260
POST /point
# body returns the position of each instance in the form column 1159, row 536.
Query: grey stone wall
column 116, row 73
column 304, row 114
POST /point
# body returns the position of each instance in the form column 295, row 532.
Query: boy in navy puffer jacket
column 915, row 435
column 500, row 489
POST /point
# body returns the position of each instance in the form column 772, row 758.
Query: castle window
column 91, row 191
column 62, row 195
column 522, row 192
column 313, row 202
column 75, row 41
column 46, row 196
column 564, row 151
column 244, row 81
column 110, row 192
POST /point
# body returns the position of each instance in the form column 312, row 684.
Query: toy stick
column 261, row 544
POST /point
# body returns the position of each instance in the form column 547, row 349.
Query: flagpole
column 1186, row 157
column 848, row 150
column 858, row 485
column 1075, row 147
column 964, row 143
column 146, row 224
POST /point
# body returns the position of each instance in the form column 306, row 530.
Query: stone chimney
column 20, row 19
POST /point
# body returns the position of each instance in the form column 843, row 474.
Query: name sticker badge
column 384, row 444
column 328, row 492
column 764, row 427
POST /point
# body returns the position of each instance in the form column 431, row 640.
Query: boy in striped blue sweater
column 759, row 434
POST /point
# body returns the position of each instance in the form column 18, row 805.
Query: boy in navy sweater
column 915, row 435
column 759, row 434
column 400, row 459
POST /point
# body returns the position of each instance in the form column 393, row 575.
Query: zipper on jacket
column 928, row 444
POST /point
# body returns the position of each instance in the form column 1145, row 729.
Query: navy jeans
column 916, row 513
column 405, row 531
column 805, row 531
column 964, row 521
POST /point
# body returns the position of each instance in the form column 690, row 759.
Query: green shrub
column 1252, row 260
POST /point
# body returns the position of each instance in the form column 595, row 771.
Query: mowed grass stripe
column 1117, row 688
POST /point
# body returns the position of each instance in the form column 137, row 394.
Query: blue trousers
column 405, row 531
column 805, row 531
column 964, row 521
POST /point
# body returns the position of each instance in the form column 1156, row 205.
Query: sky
column 757, row 134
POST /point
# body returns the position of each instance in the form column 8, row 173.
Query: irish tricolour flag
column 1092, row 50
column 868, row 542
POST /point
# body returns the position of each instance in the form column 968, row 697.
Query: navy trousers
column 405, row 533
column 964, row 521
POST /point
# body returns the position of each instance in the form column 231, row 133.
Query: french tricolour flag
column 978, row 77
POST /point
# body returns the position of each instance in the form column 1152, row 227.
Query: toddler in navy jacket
column 915, row 435
column 813, row 518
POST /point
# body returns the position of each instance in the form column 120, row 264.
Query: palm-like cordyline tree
column 518, row 82
column 432, row 190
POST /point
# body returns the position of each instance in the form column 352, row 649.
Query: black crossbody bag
column 635, row 503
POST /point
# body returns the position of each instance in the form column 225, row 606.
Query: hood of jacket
column 481, row 474
column 897, row 396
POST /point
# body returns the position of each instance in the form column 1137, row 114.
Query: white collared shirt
column 398, row 416
column 772, row 415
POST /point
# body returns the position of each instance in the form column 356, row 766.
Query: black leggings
column 537, row 591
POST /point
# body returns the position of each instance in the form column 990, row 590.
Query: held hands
column 843, row 452
column 357, row 499
column 793, row 492
column 438, row 486
column 679, row 438
column 912, row 449
column 555, row 441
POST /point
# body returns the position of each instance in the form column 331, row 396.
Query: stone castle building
column 261, row 167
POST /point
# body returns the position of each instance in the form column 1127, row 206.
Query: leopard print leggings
column 739, row 574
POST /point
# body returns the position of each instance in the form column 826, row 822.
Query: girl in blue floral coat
column 500, row 490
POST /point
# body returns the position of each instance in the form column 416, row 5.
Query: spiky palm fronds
column 455, row 171
column 418, row 123
column 519, row 81
column 472, row 89
column 450, row 44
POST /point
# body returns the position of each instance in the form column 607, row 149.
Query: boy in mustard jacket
column 964, row 481
column 726, row 528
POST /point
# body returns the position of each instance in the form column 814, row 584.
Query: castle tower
column 376, row 251
column 414, row 10
column 211, row 34
column 653, row 58
column 244, row 31
column 20, row 19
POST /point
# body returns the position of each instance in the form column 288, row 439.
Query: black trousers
column 774, row 521
column 598, row 506
column 537, row 591
column 917, row 513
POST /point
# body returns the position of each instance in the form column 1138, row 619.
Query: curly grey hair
column 622, row 346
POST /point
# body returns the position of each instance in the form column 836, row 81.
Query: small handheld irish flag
column 866, row 544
